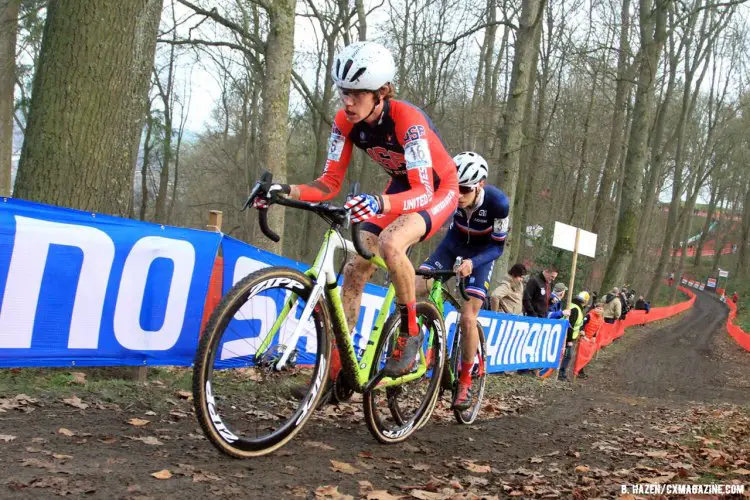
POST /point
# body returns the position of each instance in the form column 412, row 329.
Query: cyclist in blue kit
column 477, row 235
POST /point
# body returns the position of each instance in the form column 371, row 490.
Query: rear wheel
column 242, row 387
column 394, row 413
column 478, row 377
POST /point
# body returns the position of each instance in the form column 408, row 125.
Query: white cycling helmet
column 472, row 168
column 363, row 66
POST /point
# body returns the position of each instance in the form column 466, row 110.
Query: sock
column 408, row 314
column 464, row 377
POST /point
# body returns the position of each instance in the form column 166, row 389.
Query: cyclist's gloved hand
column 272, row 190
column 364, row 206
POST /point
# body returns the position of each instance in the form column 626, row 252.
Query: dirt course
column 667, row 403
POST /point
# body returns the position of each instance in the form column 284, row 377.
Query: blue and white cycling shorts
column 478, row 283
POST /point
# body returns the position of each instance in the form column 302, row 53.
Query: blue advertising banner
column 90, row 290
column 86, row 289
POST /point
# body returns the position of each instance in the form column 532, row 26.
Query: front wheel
column 478, row 377
column 396, row 412
column 267, row 337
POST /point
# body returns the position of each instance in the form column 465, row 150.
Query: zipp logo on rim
column 274, row 283
column 322, row 371
column 216, row 419
column 400, row 432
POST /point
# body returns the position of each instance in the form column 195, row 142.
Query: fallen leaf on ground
column 138, row 422
column 741, row 472
column 381, row 495
column 148, row 440
column 664, row 478
column 364, row 487
column 150, row 413
column 330, row 491
column 203, row 476
column 536, row 460
column 7, row 438
column 428, row 495
column 656, row 454
column 65, row 432
column 35, row 462
column 78, row 378
column 365, row 454
column 75, row 402
column 185, row 395
column 60, row 456
column 582, row 469
column 344, row 467
column 421, row 467
column 162, row 474
column 479, row 469
column 318, row 444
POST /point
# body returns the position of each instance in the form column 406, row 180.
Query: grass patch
column 663, row 296
column 102, row 384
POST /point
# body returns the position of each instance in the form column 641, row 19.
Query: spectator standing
column 508, row 296
column 536, row 295
column 624, row 307
column 556, row 299
column 575, row 320
column 612, row 306
column 642, row 305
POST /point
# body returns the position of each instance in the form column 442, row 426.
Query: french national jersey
column 479, row 233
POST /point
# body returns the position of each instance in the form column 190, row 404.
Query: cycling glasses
column 466, row 189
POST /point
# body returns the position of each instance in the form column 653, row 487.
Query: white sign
column 723, row 273
column 565, row 238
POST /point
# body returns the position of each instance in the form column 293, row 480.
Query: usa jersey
column 404, row 142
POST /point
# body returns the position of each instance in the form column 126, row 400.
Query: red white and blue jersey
column 404, row 142
column 479, row 232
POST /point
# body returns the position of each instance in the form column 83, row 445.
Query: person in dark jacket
column 642, row 305
column 623, row 296
column 536, row 295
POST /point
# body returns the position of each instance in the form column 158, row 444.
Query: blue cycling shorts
column 479, row 281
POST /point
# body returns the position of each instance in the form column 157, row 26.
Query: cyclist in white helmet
column 477, row 234
column 420, row 197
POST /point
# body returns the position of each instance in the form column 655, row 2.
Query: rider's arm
column 500, row 209
column 339, row 153
column 415, row 136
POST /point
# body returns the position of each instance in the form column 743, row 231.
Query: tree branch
column 259, row 45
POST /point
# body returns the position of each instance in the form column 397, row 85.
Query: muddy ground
column 667, row 403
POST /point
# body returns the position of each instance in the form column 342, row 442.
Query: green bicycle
column 439, row 295
column 273, row 331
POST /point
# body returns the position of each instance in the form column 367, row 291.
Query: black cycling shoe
column 464, row 397
column 403, row 357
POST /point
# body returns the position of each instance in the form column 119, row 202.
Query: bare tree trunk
column 704, row 233
column 743, row 262
column 622, row 90
column 511, row 135
column 87, row 106
column 8, row 29
column 653, row 34
column 145, row 167
column 279, row 52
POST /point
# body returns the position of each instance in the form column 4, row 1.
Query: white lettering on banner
column 371, row 305
column 522, row 331
column 528, row 351
column 554, row 343
column 30, row 250
column 127, row 324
